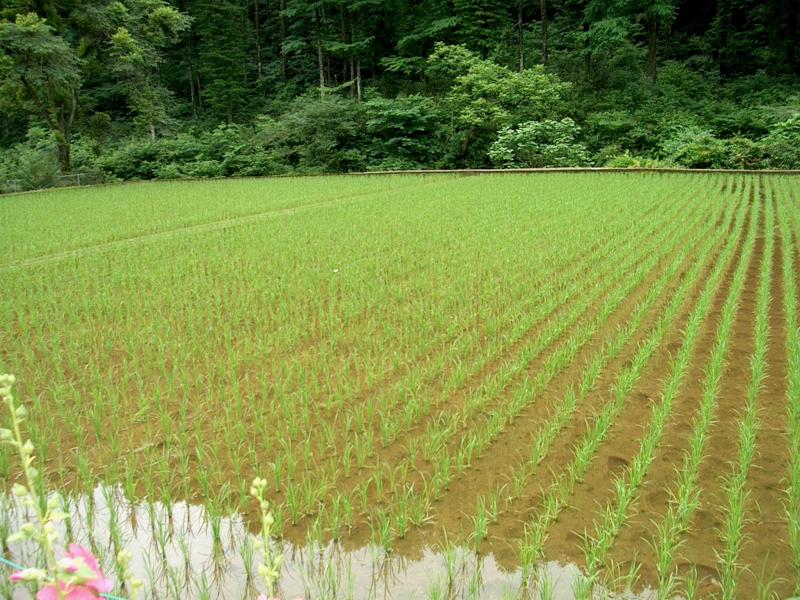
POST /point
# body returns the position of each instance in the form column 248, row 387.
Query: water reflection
column 184, row 552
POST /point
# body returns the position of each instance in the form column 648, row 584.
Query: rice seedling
column 735, row 512
column 685, row 497
column 626, row 485
column 790, row 300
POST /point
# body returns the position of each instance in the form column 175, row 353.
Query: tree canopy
column 331, row 85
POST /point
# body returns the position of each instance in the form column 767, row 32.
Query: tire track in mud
column 207, row 227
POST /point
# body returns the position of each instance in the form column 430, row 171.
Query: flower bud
column 29, row 575
column 124, row 558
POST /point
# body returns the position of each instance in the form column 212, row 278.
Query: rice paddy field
column 500, row 386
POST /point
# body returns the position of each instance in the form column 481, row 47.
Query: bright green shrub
column 540, row 144
column 781, row 146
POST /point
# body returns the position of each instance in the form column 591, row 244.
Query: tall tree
column 222, row 55
column 650, row 16
column 481, row 23
column 146, row 27
column 42, row 70
column 545, row 39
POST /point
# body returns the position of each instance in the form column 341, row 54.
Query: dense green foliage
column 153, row 88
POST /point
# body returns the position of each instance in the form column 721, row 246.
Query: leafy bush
column 694, row 148
column 626, row 160
column 540, row 144
column 699, row 149
column 482, row 97
column 223, row 151
column 403, row 133
column 32, row 164
column 316, row 135
column 781, row 146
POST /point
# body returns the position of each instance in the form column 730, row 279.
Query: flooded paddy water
column 175, row 551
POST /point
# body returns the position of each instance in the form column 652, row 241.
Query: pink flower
column 71, row 592
column 78, row 562
column 99, row 583
column 28, row 575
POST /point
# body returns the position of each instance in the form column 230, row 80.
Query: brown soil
column 767, row 546
column 493, row 468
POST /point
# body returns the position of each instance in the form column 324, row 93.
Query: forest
column 141, row 89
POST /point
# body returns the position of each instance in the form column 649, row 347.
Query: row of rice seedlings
column 790, row 303
column 439, row 431
column 550, row 294
column 558, row 493
column 401, row 407
column 163, row 414
column 446, row 464
column 686, row 496
column 734, row 513
column 605, row 529
column 542, row 438
column 563, row 411
column 99, row 395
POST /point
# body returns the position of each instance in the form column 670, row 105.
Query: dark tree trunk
column 282, row 17
column 352, row 65
column 257, row 20
column 64, row 132
column 545, row 35
column 792, row 22
column 347, row 63
column 64, row 155
column 194, row 94
column 358, row 79
column 520, row 37
column 320, row 58
column 724, row 25
column 652, row 50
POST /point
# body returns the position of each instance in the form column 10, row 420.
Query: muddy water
column 189, row 564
